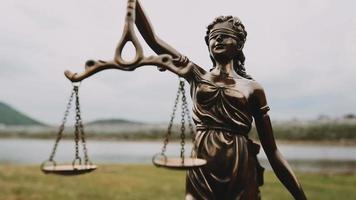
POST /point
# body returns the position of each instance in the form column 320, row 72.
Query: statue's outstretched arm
column 279, row 164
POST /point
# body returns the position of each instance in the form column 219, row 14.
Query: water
column 300, row 156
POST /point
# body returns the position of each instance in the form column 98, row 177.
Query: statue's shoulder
column 199, row 69
column 256, row 88
column 196, row 72
column 258, row 97
column 253, row 86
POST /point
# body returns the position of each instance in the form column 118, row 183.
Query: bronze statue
column 225, row 102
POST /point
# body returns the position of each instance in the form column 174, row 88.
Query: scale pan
column 176, row 163
column 68, row 170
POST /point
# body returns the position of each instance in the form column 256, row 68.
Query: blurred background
column 301, row 51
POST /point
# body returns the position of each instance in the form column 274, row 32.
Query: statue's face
column 223, row 47
column 223, row 43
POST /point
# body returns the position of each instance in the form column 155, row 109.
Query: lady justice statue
column 226, row 100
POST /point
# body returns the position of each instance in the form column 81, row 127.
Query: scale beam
column 163, row 61
column 92, row 67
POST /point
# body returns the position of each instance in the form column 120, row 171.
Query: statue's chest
column 209, row 93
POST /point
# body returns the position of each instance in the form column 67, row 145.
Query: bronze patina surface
column 226, row 100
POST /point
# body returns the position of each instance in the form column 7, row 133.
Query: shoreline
column 343, row 142
column 319, row 143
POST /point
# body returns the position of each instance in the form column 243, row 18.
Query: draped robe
column 223, row 118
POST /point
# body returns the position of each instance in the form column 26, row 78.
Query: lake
column 303, row 157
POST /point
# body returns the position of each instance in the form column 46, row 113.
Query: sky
column 301, row 51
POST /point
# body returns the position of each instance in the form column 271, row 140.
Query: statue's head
column 229, row 25
column 233, row 31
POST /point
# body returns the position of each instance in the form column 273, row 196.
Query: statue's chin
column 222, row 57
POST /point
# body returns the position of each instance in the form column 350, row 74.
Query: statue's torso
column 222, row 102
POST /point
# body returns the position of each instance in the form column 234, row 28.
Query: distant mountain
column 115, row 126
column 10, row 116
column 114, row 122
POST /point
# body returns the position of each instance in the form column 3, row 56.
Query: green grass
column 114, row 182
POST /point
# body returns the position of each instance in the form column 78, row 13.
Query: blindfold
column 224, row 31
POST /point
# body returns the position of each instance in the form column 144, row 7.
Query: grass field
column 128, row 182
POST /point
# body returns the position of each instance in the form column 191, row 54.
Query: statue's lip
column 218, row 46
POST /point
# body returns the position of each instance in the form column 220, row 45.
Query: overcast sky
column 301, row 51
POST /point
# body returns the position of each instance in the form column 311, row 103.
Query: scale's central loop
column 129, row 36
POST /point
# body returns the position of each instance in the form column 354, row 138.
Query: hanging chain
column 169, row 130
column 184, row 115
column 79, row 122
column 182, row 128
column 61, row 127
column 189, row 119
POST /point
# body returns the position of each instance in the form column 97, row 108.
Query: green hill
column 10, row 116
column 114, row 121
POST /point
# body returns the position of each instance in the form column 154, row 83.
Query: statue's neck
column 224, row 69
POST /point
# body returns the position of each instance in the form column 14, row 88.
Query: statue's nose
column 219, row 38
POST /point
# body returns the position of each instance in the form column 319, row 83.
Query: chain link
column 190, row 123
column 184, row 115
column 79, row 133
column 61, row 127
column 182, row 128
column 169, row 130
column 79, row 122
